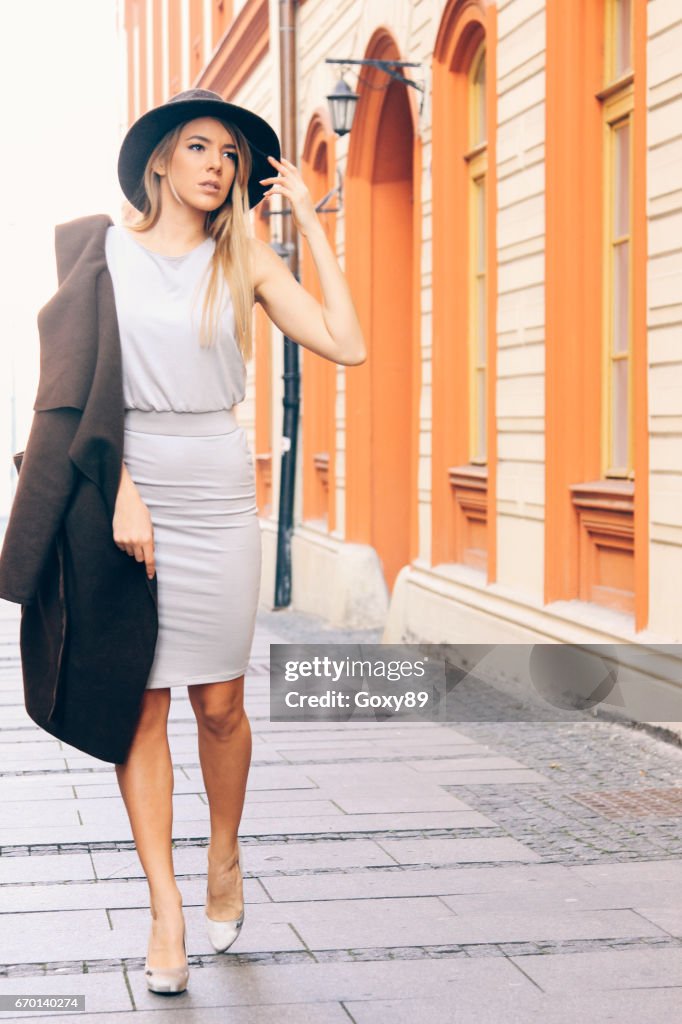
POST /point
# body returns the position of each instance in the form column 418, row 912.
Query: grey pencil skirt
column 195, row 473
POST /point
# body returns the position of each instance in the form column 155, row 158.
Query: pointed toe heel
column 223, row 933
column 167, row 980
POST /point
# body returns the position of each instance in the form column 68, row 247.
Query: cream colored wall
column 344, row 30
column 520, row 303
column 664, row 312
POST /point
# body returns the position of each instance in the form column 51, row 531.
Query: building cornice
column 239, row 51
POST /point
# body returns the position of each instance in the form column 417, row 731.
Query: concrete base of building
column 341, row 582
column 454, row 605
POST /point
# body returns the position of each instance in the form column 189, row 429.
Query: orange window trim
column 465, row 23
column 319, row 375
column 573, row 287
column 368, row 401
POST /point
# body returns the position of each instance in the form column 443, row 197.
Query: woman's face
column 204, row 163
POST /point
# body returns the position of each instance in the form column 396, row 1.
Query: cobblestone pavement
column 493, row 870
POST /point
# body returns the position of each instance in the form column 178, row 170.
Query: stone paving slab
column 315, row 926
column 607, row 970
column 668, row 917
column 426, row 921
column 123, row 933
column 56, row 764
column 429, row 735
column 253, row 826
column 465, row 762
column 326, row 754
column 467, row 1007
column 30, row 938
column 269, row 931
column 630, row 874
column 103, row 992
column 490, row 777
column 183, row 1012
column 29, row 753
column 263, row 776
column 448, row 851
column 363, row 788
column 47, row 868
column 32, row 813
column 447, row 882
column 260, row 778
column 378, row 749
column 53, row 835
column 28, row 734
column 311, row 984
column 320, row 855
column 110, row 895
column 260, row 694
column 38, row 814
column 658, row 897
column 190, row 807
column 97, row 791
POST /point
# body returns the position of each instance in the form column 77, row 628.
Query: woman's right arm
column 133, row 531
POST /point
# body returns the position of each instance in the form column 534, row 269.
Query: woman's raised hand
column 290, row 184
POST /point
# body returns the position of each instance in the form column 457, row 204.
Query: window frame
column 477, row 167
column 617, row 99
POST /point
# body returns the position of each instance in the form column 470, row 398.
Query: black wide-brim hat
column 146, row 133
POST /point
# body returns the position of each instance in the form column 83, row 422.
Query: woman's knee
column 218, row 707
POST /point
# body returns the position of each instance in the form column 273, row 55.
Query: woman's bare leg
column 225, row 756
column 146, row 784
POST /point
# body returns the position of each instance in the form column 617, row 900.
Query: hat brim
column 148, row 130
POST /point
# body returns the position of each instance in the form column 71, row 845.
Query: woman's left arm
column 332, row 329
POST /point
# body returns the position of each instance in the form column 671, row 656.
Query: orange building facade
column 507, row 464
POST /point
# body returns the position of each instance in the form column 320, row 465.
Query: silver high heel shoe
column 223, row 933
column 166, row 980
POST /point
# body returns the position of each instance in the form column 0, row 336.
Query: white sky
column 63, row 118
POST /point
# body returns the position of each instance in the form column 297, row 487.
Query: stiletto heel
column 167, row 980
column 223, row 933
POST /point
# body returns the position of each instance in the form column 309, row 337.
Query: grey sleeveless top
column 159, row 306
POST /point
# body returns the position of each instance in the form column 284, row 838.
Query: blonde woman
column 185, row 276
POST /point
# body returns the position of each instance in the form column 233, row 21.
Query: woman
column 186, row 500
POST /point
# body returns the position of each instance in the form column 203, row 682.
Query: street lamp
column 343, row 101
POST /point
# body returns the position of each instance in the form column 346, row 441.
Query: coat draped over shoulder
column 89, row 616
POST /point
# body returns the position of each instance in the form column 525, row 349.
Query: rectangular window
column 478, row 332
column 618, row 104
column 618, row 39
column 477, row 160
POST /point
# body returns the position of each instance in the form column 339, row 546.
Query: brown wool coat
column 89, row 615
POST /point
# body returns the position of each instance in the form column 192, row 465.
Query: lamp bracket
column 389, row 67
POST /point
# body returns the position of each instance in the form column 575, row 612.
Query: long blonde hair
column 229, row 226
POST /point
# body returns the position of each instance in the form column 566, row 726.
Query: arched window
column 463, row 459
